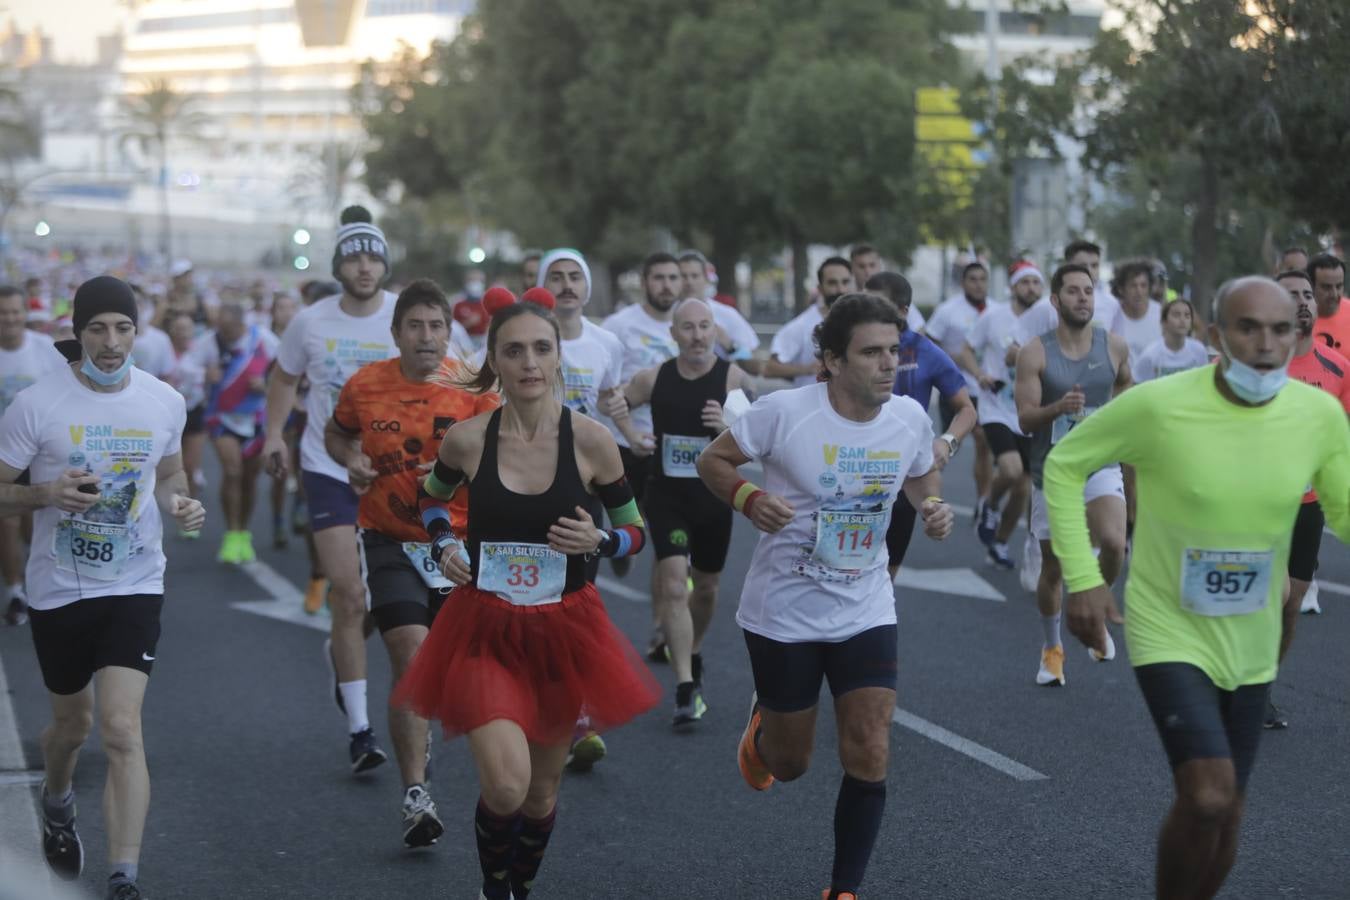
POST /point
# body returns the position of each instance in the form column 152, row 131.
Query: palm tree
column 151, row 118
column 19, row 140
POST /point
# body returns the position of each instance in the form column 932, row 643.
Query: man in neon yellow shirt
column 1211, row 545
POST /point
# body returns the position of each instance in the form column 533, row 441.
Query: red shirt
column 472, row 316
column 1326, row 369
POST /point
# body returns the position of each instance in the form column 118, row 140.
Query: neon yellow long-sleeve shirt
column 1218, row 488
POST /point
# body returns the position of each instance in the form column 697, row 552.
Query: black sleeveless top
column 497, row 513
column 677, row 408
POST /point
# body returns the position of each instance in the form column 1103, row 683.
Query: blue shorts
column 331, row 502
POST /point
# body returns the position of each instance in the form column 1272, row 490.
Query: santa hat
column 1023, row 268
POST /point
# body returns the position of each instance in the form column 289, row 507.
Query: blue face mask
column 106, row 379
column 1253, row 385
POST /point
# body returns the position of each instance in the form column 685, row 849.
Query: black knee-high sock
column 857, row 820
column 531, row 842
column 496, row 840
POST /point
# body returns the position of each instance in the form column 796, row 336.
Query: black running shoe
column 1275, row 719
column 123, row 890
column 17, row 611
column 366, row 752
column 61, row 845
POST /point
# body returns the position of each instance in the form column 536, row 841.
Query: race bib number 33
column 1225, row 582
column 524, row 574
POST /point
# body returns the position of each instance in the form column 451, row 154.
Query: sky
column 73, row 24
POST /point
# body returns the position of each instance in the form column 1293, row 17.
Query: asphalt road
column 1029, row 793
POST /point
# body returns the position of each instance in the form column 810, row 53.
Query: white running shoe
column 1110, row 649
column 1030, row 574
column 1310, row 606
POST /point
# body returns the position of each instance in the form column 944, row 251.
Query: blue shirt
column 923, row 366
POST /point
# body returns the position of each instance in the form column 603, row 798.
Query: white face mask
column 106, row 379
column 1253, row 385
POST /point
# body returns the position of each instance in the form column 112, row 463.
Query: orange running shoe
column 316, row 595
column 1052, row 667
column 753, row 770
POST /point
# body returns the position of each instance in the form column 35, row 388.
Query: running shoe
column 229, row 549
column 366, row 753
column 123, row 890
column 1110, row 653
column 316, row 595
column 586, row 751
column 753, row 770
column 1052, row 666
column 61, row 844
column 986, row 523
column 689, row 705
column 17, row 611
column 244, row 546
column 998, row 555
column 332, row 671
column 842, row 895
column 421, row 826
column 1310, row 606
column 483, row 896
column 1275, row 720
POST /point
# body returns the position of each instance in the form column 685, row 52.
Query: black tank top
column 677, row 409
column 497, row 513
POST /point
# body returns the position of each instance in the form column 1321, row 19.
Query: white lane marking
column 978, row 752
column 609, row 586
column 287, row 603
column 1333, row 587
column 19, row 838
column 960, row 582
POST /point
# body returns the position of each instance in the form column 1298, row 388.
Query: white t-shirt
column 915, row 319
column 842, row 478
column 951, row 322
column 646, row 342
column 153, row 351
column 990, row 338
column 114, row 548
column 36, row 356
column 795, row 342
column 1158, row 360
column 741, row 332
column 327, row 345
column 590, row 364
column 187, row 372
column 1141, row 333
column 1106, row 309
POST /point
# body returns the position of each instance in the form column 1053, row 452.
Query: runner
column 25, row 356
column 592, row 357
column 1176, row 351
column 736, row 338
column 529, row 269
column 816, row 603
column 984, row 355
column 239, row 356
column 690, row 528
column 1333, row 316
column 388, row 422
column 468, row 308
column 866, row 262
column 948, row 327
column 284, row 307
column 187, row 375
column 525, row 644
column 1203, row 597
column 922, row 366
column 1326, row 369
column 793, row 351
column 1105, row 307
column 1293, row 259
column 101, row 441
column 327, row 343
column 1063, row 377
column 1140, row 315
column 183, row 296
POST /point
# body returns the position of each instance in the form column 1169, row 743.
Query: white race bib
column 92, row 549
column 679, row 453
column 849, row 540
column 524, row 574
column 1065, row 423
column 1225, row 582
column 420, row 557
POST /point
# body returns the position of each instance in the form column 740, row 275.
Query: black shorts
column 1003, row 439
column 196, row 420
column 1197, row 720
column 1306, row 541
column 901, row 529
column 636, row 469
column 398, row 595
column 76, row 640
column 787, row 676
column 947, row 412
column 687, row 520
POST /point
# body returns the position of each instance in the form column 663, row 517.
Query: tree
column 150, row 120
column 322, row 181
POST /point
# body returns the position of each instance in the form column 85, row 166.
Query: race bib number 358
column 92, row 549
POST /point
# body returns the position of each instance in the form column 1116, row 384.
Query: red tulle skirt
column 537, row 666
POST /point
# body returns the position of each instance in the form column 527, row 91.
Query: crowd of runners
column 488, row 453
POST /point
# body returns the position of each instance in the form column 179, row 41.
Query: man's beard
column 352, row 291
column 658, row 303
column 829, row 299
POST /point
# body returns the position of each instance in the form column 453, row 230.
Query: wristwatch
column 599, row 547
column 952, row 443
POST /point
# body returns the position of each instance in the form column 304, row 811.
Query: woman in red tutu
column 523, row 642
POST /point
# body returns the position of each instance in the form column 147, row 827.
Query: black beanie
column 102, row 294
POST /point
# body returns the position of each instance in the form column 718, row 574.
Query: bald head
column 1244, row 293
column 693, row 327
column 1254, row 322
column 692, row 308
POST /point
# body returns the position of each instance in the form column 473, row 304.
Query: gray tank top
column 1095, row 376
